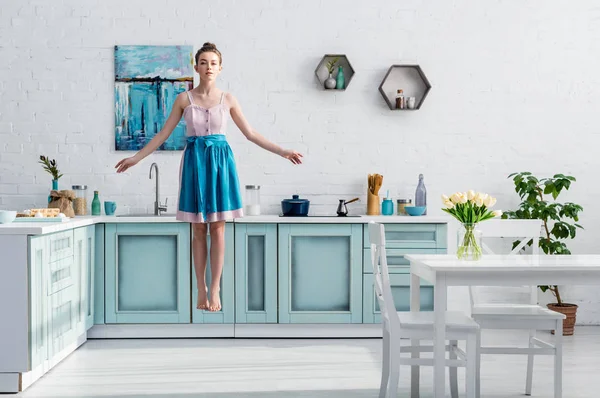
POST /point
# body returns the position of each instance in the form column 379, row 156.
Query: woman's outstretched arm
column 255, row 137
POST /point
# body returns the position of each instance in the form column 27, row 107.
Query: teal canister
column 387, row 207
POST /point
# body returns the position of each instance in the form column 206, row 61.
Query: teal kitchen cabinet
column 412, row 236
column 39, row 260
column 227, row 291
column 401, row 240
column 98, row 276
column 320, row 273
column 256, row 273
column 84, row 258
column 400, row 284
column 147, row 273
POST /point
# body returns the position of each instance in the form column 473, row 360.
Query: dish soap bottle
column 96, row 204
column 340, row 82
column 421, row 194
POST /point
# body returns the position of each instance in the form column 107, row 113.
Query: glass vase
column 54, row 188
column 469, row 243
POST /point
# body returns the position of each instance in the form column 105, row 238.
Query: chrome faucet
column 157, row 206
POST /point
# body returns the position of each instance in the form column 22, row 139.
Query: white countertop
column 41, row 228
column 363, row 219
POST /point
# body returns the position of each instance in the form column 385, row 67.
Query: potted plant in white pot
column 559, row 223
column 330, row 82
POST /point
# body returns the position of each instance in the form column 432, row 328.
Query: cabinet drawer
column 61, row 275
column 62, row 318
column 397, row 264
column 61, row 245
column 414, row 236
column 400, row 284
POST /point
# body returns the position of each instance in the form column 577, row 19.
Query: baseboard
column 159, row 331
column 277, row 330
column 272, row 331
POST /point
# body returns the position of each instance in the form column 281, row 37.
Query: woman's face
column 208, row 66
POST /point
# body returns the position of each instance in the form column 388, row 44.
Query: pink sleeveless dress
column 209, row 186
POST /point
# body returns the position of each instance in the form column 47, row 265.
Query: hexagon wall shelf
column 322, row 74
column 409, row 78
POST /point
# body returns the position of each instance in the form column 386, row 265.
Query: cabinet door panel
column 147, row 273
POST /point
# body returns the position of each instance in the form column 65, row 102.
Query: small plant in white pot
column 330, row 82
column 559, row 223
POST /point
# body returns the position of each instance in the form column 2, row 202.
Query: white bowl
column 7, row 216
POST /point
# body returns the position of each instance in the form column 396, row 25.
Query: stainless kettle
column 342, row 210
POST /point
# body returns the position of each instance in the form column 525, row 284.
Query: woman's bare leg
column 199, row 250
column 217, row 257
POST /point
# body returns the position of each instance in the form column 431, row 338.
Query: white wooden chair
column 494, row 313
column 417, row 326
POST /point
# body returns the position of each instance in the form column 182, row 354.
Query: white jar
column 252, row 200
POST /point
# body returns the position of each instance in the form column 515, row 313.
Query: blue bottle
column 340, row 81
column 421, row 194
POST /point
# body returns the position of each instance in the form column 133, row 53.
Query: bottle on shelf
column 400, row 101
column 421, row 194
column 340, row 80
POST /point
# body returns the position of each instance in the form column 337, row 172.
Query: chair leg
column 530, row 357
column 558, row 360
column 415, row 372
column 385, row 364
column 394, row 367
column 453, row 370
column 471, row 387
column 478, row 364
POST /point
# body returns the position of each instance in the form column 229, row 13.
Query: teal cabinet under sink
column 147, row 273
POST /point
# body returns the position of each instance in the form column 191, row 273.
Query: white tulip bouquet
column 470, row 208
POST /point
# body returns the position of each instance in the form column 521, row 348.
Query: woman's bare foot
column 215, row 300
column 203, row 303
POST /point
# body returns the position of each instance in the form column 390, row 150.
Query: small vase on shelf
column 469, row 242
column 330, row 82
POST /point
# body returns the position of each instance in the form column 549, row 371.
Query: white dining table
column 443, row 270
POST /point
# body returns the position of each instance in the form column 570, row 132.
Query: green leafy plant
column 50, row 167
column 331, row 64
column 559, row 219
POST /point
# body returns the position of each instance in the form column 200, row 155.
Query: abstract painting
column 147, row 81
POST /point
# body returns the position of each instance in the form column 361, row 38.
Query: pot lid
column 295, row 199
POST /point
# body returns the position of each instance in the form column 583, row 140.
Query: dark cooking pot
column 295, row 206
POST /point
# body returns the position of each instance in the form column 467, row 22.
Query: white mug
column 411, row 102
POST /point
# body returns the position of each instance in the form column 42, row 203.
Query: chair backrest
column 381, row 277
column 523, row 230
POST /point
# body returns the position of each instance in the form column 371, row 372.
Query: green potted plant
column 50, row 167
column 559, row 223
column 330, row 82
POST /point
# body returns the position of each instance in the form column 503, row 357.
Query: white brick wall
column 515, row 87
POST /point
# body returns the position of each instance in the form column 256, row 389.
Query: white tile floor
column 181, row 368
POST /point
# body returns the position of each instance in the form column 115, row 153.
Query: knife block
column 373, row 208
